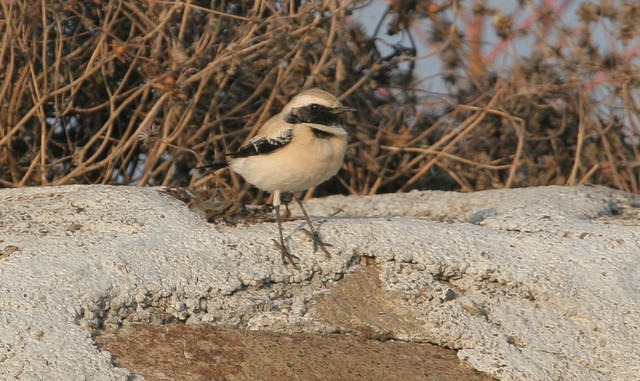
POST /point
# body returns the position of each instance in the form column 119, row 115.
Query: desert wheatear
column 297, row 149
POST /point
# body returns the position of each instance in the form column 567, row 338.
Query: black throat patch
column 321, row 134
column 313, row 113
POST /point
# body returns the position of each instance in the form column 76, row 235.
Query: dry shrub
column 141, row 92
column 566, row 112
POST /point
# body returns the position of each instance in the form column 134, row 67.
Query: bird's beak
column 340, row 110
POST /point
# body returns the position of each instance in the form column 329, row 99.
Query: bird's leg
column 286, row 197
column 286, row 256
column 317, row 242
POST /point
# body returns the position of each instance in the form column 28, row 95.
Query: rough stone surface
column 527, row 284
column 202, row 352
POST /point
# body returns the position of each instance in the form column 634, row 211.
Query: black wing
column 265, row 145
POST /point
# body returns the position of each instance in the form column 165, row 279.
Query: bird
column 297, row 149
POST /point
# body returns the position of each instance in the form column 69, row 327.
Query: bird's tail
column 215, row 165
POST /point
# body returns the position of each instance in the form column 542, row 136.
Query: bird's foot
column 318, row 243
column 287, row 257
column 287, row 212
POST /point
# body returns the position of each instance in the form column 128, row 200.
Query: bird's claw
column 287, row 257
column 317, row 242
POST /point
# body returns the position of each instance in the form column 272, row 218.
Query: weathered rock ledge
column 527, row 284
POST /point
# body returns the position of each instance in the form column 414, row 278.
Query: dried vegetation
column 141, row 92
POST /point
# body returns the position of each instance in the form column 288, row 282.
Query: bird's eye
column 314, row 106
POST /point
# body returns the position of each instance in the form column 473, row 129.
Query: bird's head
column 314, row 106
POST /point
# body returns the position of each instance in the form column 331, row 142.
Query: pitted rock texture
column 527, row 284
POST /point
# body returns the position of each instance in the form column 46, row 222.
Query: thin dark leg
column 286, row 256
column 317, row 242
column 285, row 198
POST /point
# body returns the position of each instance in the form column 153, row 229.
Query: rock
column 527, row 284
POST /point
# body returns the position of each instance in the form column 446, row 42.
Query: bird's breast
column 305, row 162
